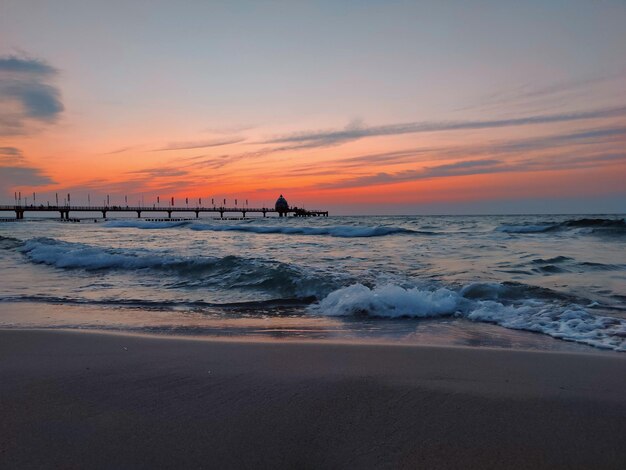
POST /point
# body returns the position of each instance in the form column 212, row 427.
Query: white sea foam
column 569, row 322
column 389, row 301
column 572, row 323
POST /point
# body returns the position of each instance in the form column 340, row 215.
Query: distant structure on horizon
column 281, row 206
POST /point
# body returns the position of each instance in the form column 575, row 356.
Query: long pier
column 20, row 210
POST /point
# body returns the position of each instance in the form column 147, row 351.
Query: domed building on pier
column 281, row 206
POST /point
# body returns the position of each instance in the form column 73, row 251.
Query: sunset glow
column 363, row 108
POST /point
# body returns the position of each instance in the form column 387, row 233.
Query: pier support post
column 244, row 214
column 138, row 214
column 104, row 214
column 221, row 214
column 264, row 213
column 197, row 214
column 169, row 214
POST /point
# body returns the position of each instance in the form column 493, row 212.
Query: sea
column 553, row 282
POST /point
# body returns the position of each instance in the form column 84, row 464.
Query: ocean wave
column 225, row 272
column 526, row 228
column 593, row 226
column 596, row 223
column 512, row 309
column 9, row 243
column 245, row 306
column 341, row 231
column 145, row 224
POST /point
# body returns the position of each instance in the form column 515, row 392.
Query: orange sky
column 347, row 122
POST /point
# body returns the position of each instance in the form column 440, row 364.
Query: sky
column 357, row 107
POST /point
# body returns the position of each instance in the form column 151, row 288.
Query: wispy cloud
column 531, row 95
column 10, row 156
column 463, row 168
column 119, row 150
column 612, row 136
column 355, row 132
column 160, row 172
column 27, row 94
column 197, row 144
column 476, row 167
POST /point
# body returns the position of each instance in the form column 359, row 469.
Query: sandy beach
column 90, row 400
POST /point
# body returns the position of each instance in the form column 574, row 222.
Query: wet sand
column 89, row 400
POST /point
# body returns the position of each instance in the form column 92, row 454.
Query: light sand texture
column 85, row 400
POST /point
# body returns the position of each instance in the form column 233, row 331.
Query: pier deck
column 64, row 211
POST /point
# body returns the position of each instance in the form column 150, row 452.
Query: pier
column 64, row 211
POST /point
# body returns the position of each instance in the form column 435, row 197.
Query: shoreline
column 82, row 399
column 560, row 346
column 445, row 332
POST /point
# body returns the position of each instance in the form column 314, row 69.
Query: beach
column 312, row 235
column 76, row 399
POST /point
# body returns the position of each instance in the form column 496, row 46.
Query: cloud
column 563, row 91
column 160, row 172
column 601, row 137
column 16, row 176
column 486, row 166
column 10, row 156
column 201, row 144
column 357, row 131
column 27, row 66
column 587, row 137
column 14, row 172
column 27, row 95
column 462, row 168
column 119, row 150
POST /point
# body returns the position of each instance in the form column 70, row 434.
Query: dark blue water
column 563, row 277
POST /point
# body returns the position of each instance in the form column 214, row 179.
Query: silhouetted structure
column 281, row 207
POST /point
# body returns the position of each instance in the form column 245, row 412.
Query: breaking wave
column 511, row 306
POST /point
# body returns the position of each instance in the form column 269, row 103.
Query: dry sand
column 87, row 400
